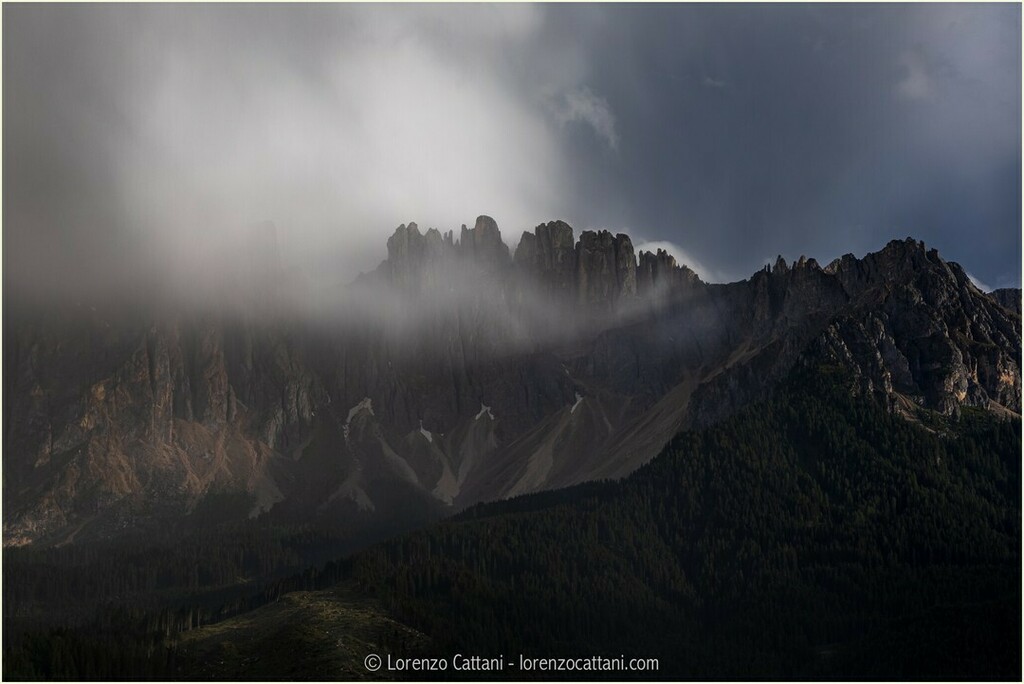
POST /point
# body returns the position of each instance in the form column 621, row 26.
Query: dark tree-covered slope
column 815, row 534
column 812, row 535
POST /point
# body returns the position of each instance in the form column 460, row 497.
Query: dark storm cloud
column 138, row 137
column 748, row 131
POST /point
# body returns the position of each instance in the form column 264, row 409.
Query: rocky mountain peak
column 555, row 257
column 906, row 252
column 483, row 242
column 403, row 243
column 408, row 249
column 805, row 262
column 894, row 263
column 657, row 271
column 605, row 269
column 597, row 273
column 413, row 255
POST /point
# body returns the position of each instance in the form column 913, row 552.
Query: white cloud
column 584, row 106
column 984, row 287
column 336, row 123
column 708, row 275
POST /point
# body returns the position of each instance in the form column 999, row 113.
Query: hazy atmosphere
column 141, row 135
column 451, row 342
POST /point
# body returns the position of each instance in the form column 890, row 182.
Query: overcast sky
column 729, row 133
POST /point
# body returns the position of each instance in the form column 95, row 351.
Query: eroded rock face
column 1008, row 298
column 928, row 332
column 596, row 274
column 114, row 424
column 658, row 273
column 483, row 243
column 911, row 326
column 415, row 259
column 605, row 270
column 555, row 260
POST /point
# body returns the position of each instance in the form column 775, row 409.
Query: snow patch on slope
column 426, row 433
column 483, row 410
column 579, row 398
column 365, row 405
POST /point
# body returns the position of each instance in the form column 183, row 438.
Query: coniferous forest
column 813, row 535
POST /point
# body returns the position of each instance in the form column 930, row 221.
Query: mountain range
column 454, row 373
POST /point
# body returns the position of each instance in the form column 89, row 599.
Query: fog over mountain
column 452, row 373
column 141, row 143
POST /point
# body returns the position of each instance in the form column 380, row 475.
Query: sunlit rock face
column 456, row 372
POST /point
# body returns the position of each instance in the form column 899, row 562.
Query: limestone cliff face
column 145, row 419
column 549, row 256
column 598, row 274
column 415, row 260
column 658, row 273
column 605, row 270
column 925, row 332
column 1008, row 298
column 425, row 263
column 483, row 244
column 910, row 326
column 572, row 360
